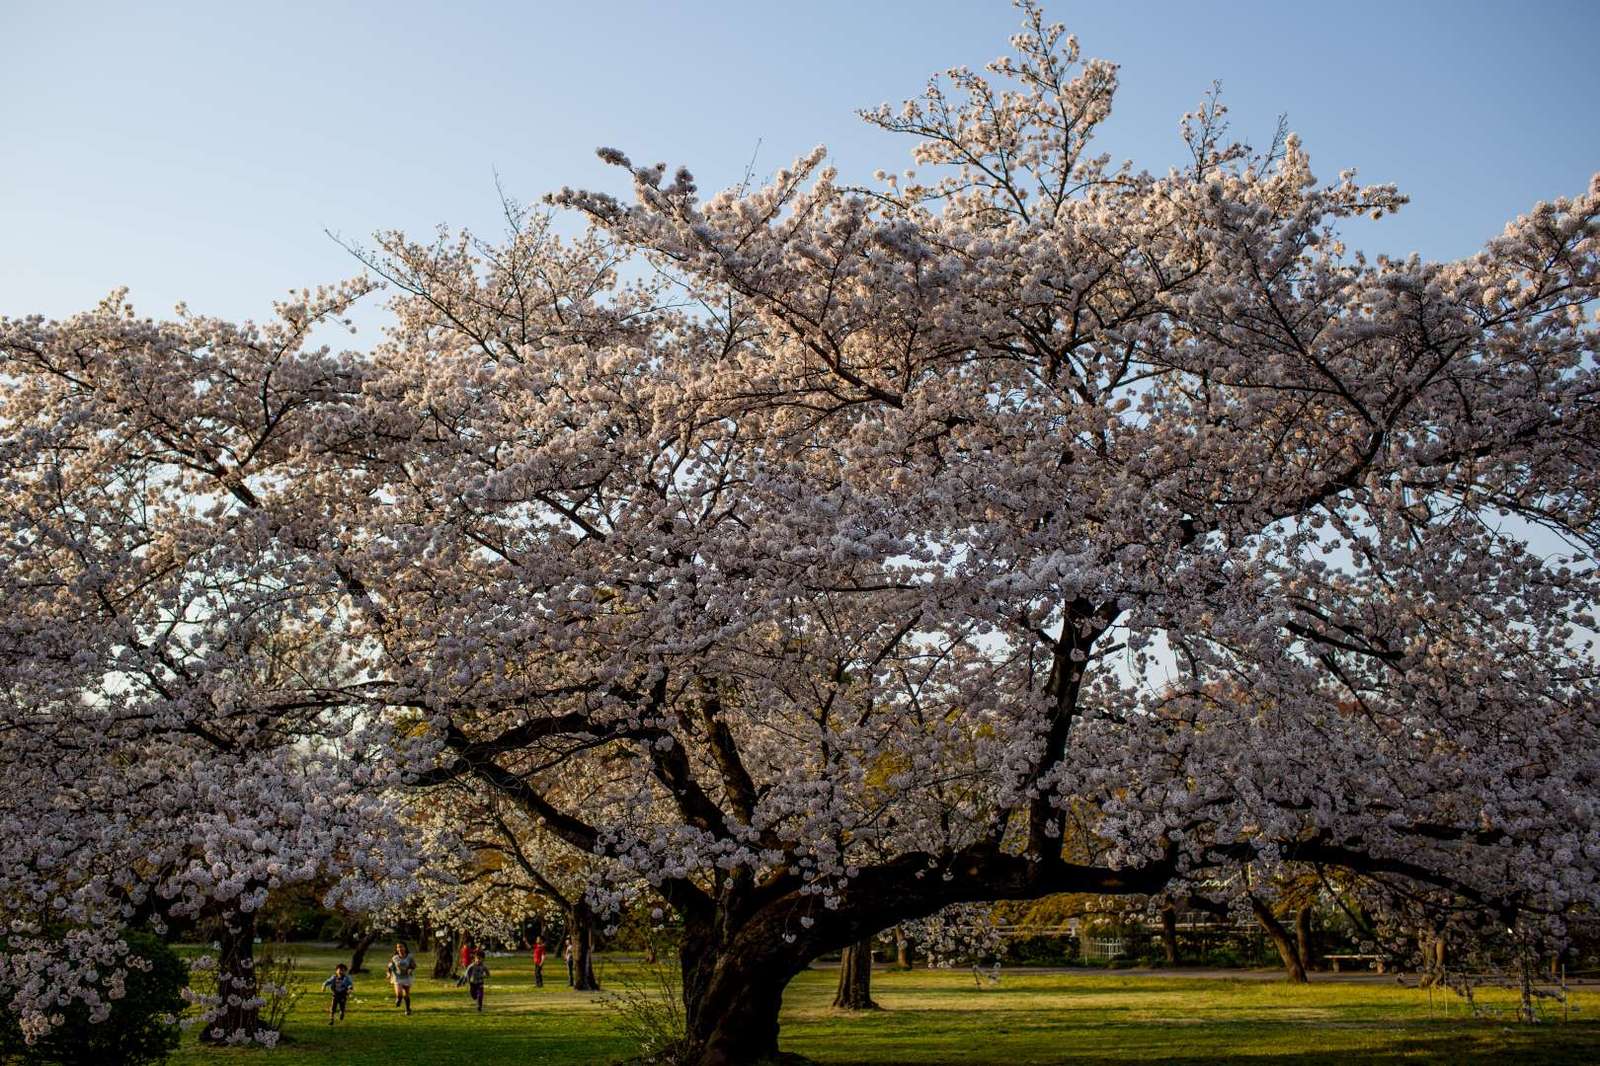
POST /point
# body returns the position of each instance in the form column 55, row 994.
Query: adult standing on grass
column 538, row 962
column 570, row 950
column 466, row 952
column 402, row 969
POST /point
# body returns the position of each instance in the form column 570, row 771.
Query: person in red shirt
column 466, row 952
column 538, row 962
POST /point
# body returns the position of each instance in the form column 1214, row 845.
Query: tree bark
column 240, row 1006
column 731, row 1002
column 902, row 949
column 1281, row 940
column 580, row 925
column 855, row 978
column 358, row 955
column 444, row 953
column 1169, row 934
column 1302, row 937
column 744, row 942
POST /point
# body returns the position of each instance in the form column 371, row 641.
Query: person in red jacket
column 538, row 962
column 466, row 952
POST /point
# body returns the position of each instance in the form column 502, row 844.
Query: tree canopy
column 825, row 555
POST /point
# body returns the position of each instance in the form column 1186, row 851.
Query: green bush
column 649, row 1010
column 142, row 1027
column 1043, row 951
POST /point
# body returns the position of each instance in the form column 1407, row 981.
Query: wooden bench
column 1376, row 960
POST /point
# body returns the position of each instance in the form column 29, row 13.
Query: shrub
column 1043, row 951
column 277, row 985
column 649, row 1010
column 142, row 1027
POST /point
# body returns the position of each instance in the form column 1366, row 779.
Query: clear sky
column 198, row 151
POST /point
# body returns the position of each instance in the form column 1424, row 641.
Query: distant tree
column 855, row 978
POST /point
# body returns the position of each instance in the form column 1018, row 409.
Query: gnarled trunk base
column 740, row 1028
column 239, row 1011
column 731, row 999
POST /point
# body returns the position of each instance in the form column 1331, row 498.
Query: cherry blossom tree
column 534, row 866
column 166, row 695
column 487, row 868
column 825, row 577
column 1138, row 493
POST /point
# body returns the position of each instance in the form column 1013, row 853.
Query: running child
column 402, row 969
column 340, row 985
column 474, row 976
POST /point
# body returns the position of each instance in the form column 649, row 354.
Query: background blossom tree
column 169, row 687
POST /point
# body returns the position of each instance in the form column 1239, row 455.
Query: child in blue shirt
column 340, row 985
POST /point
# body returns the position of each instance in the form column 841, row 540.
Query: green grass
column 935, row 1017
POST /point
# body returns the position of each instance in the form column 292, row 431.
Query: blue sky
column 198, row 151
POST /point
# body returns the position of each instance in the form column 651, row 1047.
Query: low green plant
column 647, row 1002
column 277, row 986
column 142, row 1027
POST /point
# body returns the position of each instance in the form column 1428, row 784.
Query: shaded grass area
column 934, row 1017
column 1111, row 1017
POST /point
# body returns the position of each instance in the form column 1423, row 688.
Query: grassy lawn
column 934, row 1017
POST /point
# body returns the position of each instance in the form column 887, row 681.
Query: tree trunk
column 731, row 1002
column 1169, row 934
column 444, row 953
column 580, row 926
column 358, row 955
column 743, row 945
column 1281, row 940
column 240, row 1008
column 855, row 978
column 1302, row 937
column 902, row 949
